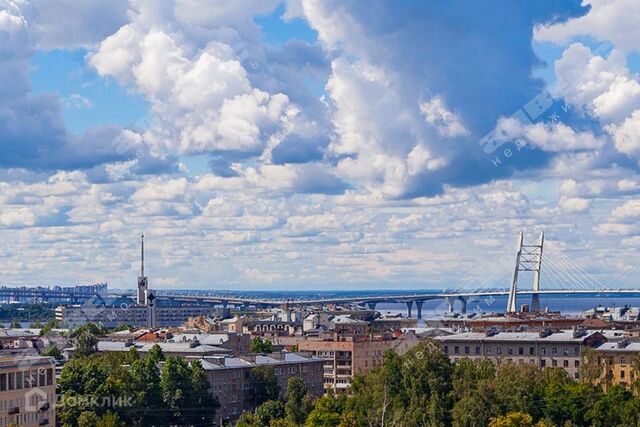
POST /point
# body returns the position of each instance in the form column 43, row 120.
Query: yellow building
column 616, row 361
column 27, row 391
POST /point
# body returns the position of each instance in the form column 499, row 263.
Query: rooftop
column 561, row 336
column 210, row 363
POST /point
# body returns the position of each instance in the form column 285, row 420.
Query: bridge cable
column 572, row 279
column 567, row 260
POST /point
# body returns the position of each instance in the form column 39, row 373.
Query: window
column 19, row 380
column 565, row 364
column 565, row 351
column 622, row 361
column 509, row 350
column 532, row 351
column 520, row 351
column 576, row 364
column 554, row 351
column 543, row 350
column 499, row 350
column 554, row 362
column 12, row 381
column 446, row 349
column 456, row 350
column 466, row 349
column 477, row 350
column 488, row 350
column 543, row 363
column 3, row 382
column 621, row 374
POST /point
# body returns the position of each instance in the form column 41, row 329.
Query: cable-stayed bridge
column 553, row 273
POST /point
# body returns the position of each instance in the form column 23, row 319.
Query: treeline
column 423, row 388
column 115, row 390
column 10, row 313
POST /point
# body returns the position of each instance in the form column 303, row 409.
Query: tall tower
column 143, row 281
column 528, row 258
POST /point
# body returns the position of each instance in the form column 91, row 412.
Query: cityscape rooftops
column 217, row 362
column 617, row 347
column 552, row 336
column 194, row 348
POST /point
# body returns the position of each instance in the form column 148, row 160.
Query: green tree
column 519, row 419
column 327, row 411
column 86, row 344
column 176, row 386
column 265, row 384
column 155, row 353
column 148, row 393
column 513, row 419
column 298, row 403
column 517, row 389
column 269, row 411
column 51, row 324
column 258, row 345
column 91, row 419
column 590, row 370
column 410, row 390
column 475, row 408
column 15, row 324
column 608, row 410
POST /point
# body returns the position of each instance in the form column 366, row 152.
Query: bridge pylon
column 528, row 258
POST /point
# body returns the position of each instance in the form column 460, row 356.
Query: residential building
column 27, row 391
column 616, row 360
column 232, row 383
column 346, row 356
column 547, row 348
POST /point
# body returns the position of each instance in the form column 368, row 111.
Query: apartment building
column 346, row 356
column 27, row 391
column 546, row 348
column 616, row 360
column 232, row 382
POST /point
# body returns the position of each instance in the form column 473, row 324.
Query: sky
column 316, row 144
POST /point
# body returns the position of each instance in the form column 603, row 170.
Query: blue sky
column 315, row 144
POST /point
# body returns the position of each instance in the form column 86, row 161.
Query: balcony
column 43, row 422
column 14, row 410
column 44, row 406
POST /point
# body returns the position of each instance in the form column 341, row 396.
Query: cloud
column 573, row 205
column 32, row 129
column 199, row 90
column 70, row 24
column 608, row 20
column 76, row 100
column 448, row 124
column 614, row 229
column 387, row 97
column 602, row 86
column 626, row 136
column 628, row 210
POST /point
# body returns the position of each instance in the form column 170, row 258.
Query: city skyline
column 308, row 144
